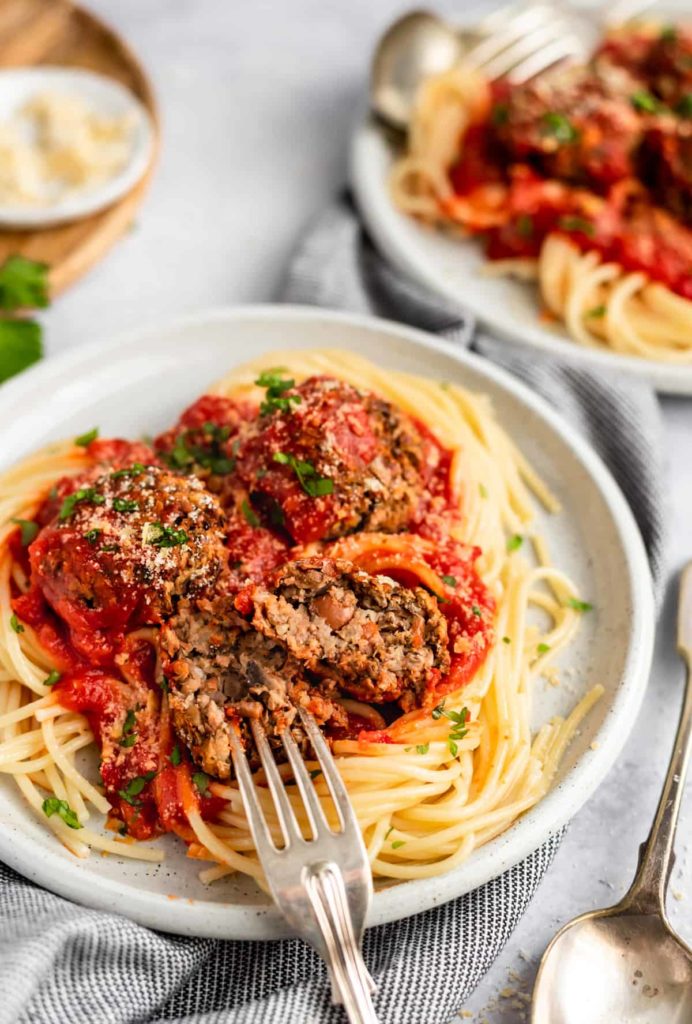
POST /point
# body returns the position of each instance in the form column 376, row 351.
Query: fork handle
column 351, row 982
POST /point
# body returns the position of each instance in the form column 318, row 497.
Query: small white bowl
column 109, row 98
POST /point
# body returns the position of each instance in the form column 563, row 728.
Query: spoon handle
column 656, row 856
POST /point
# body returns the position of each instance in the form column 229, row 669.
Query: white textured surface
column 258, row 100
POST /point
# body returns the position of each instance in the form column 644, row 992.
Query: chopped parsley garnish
column 515, row 542
column 525, row 225
column 684, row 106
column 559, row 127
column 577, row 224
column 645, row 102
column 175, row 756
column 451, row 581
column 457, row 718
column 543, row 648
column 108, row 548
column 85, row 439
column 134, row 470
column 422, row 748
column 16, row 624
column 276, row 399
column 389, row 832
column 125, row 505
column 579, row 606
column 83, row 494
column 161, row 536
column 210, row 456
column 483, row 490
column 500, row 113
column 476, row 610
column 314, row 485
column 506, row 639
column 453, row 748
column 201, row 781
column 92, row 536
column 597, row 312
column 52, row 678
column 315, row 772
column 23, row 284
column 128, row 737
column 28, row 529
column 51, row 806
column 669, row 33
column 251, row 516
column 134, row 788
column 397, row 843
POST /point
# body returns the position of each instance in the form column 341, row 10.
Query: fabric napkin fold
column 60, row 962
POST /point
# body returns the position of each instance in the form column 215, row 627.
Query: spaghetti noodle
column 431, row 785
column 579, row 180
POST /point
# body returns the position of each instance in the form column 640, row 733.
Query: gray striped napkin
column 61, row 963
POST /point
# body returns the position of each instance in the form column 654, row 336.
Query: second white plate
column 451, row 268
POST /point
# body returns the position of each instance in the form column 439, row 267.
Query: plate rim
column 234, row 921
column 386, row 224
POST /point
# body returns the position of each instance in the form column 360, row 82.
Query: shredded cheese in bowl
column 57, row 146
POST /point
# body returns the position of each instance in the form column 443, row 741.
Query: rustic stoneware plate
column 138, row 384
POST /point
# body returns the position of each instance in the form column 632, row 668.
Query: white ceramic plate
column 451, row 267
column 108, row 97
column 139, row 384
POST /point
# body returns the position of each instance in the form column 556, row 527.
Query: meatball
column 222, row 674
column 204, row 442
column 377, row 639
column 573, row 124
column 667, row 166
column 326, row 459
column 123, row 548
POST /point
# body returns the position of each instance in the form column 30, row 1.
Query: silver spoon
column 626, row 965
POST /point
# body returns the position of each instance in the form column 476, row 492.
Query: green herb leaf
column 175, row 757
column 483, row 490
column 23, row 284
column 451, row 581
column 83, row 494
column 315, row 772
column 201, row 781
column 389, row 832
column 524, row 225
column 645, row 102
column 16, row 624
column 134, row 788
column 579, row 606
column 161, row 536
column 250, row 515
column 397, row 843
column 543, row 648
column 669, row 33
column 559, row 127
column 314, row 485
column 20, row 346
column 85, row 439
column 597, row 312
column 684, row 106
column 577, row 224
column 476, row 610
column 52, row 678
column 125, row 505
column 128, row 737
column 453, row 748
column 500, row 113
column 506, row 639
column 276, row 399
column 423, row 748
column 134, row 470
column 515, row 542
column 51, row 806
column 92, row 536
column 28, row 528
column 438, row 711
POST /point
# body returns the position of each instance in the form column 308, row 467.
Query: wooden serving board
column 60, row 33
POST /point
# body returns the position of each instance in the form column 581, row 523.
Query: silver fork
column 322, row 886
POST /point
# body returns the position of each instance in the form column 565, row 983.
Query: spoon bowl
column 615, row 965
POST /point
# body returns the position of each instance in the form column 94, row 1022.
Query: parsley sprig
column 276, row 399
column 210, row 455
column 134, row 788
column 459, row 728
column 313, row 484
column 88, row 494
column 128, row 736
column 51, row 806
column 23, row 285
column 161, row 536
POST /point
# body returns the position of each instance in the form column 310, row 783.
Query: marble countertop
column 257, row 102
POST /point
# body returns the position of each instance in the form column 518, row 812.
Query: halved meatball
column 376, row 639
column 123, row 548
column 222, row 673
column 327, row 459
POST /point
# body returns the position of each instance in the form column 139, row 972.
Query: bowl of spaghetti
column 361, row 520
column 557, row 211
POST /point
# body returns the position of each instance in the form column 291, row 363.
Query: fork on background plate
column 322, row 885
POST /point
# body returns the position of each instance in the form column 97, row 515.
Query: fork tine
column 334, row 781
column 513, row 29
column 287, row 819
column 561, row 49
column 313, row 805
column 256, row 820
column 525, row 47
